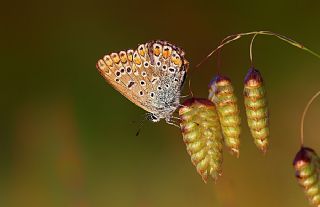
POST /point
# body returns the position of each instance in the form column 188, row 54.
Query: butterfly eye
column 146, row 64
column 154, row 118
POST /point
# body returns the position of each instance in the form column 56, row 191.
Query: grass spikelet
column 256, row 108
column 221, row 93
column 306, row 164
column 202, row 135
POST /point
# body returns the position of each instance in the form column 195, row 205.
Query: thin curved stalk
column 234, row 37
column 304, row 115
column 251, row 44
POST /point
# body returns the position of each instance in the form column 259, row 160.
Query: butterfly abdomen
column 202, row 135
column 221, row 93
column 256, row 108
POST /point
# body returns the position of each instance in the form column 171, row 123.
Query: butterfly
column 150, row 76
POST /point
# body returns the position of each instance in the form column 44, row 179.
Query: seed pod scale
column 256, row 108
column 221, row 93
column 202, row 135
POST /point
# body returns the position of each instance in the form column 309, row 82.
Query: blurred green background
column 68, row 139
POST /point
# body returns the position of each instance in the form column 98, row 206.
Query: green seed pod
column 306, row 164
column 221, row 93
column 256, row 108
column 202, row 135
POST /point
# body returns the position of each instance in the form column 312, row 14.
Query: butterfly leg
column 177, row 118
column 168, row 120
column 185, row 96
column 171, row 123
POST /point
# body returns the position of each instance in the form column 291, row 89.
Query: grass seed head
column 306, row 165
column 221, row 93
column 202, row 135
column 256, row 108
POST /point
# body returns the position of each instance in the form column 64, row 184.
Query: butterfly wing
column 138, row 74
column 119, row 70
column 170, row 64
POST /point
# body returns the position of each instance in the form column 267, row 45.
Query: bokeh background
column 68, row 139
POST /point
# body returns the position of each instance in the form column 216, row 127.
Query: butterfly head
column 153, row 118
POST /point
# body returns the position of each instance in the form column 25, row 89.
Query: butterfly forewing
column 123, row 76
column 150, row 76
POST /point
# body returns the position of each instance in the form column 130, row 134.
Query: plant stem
column 234, row 37
column 251, row 43
column 304, row 115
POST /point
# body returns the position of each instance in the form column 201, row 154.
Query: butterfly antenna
column 140, row 127
column 138, row 132
column 139, row 120
column 141, row 124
